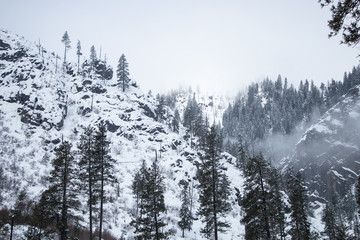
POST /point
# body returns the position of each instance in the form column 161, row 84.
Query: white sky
column 218, row 45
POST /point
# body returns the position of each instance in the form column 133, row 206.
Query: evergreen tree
column 123, row 73
column 93, row 57
column 300, row 227
column 62, row 187
column 89, row 174
column 66, row 41
column 176, row 121
column 328, row 219
column 157, row 203
column 213, row 189
column 78, row 53
column 242, row 153
column 45, row 215
column 337, row 225
column 277, row 207
column 104, row 164
column 191, row 112
column 345, row 18
column 358, row 195
column 149, row 191
column 255, row 201
column 140, row 185
column 185, row 211
column 20, row 207
column 160, row 108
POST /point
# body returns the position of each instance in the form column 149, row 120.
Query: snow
column 338, row 175
column 349, row 170
column 27, row 149
column 354, row 114
column 322, row 129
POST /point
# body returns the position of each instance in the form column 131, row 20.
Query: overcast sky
column 217, row 45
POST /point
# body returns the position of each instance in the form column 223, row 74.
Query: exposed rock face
column 329, row 151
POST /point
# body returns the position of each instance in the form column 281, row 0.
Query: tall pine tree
column 157, row 203
column 104, row 165
column 123, row 73
column 62, row 189
column 89, row 174
column 213, row 189
column 176, row 121
column 300, row 226
column 141, row 221
column 186, row 218
column 66, row 41
column 93, row 57
column 256, row 201
column 149, row 190
column 78, row 53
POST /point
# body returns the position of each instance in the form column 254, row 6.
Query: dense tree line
column 276, row 108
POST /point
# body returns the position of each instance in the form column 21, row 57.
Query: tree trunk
column 65, row 57
column 78, row 64
column 214, row 199
column 267, row 226
column 12, row 227
column 90, row 199
column 63, row 231
column 123, row 77
column 101, row 197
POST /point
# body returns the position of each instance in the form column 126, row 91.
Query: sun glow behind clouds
column 217, row 45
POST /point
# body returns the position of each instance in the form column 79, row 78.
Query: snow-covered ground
column 40, row 105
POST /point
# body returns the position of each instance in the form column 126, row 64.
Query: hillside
column 328, row 153
column 42, row 105
column 44, row 102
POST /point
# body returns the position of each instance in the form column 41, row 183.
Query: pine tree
column 62, row 187
column 141, row 222
column 185, row 211
column 66, row 41
column 123, row 73
column 337, row 225
column 89, row 176
column 176, row 121
column 78, row 53
column 277, row 207
column 345, row 18
column 255, row 201
column 300, row 227
column 213, row 189
column 93, row 57
column 157, row 203
column 242, row 154
column 328, row 219
column 160, row 108
column 358, row 195
column 20, row 208
column 138, row 185
column 104, row 165
column 149, row 191
column 45, row 214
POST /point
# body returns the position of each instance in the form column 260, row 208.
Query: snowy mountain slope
column 329, row 151
column 40, row 105
column 212, row 105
